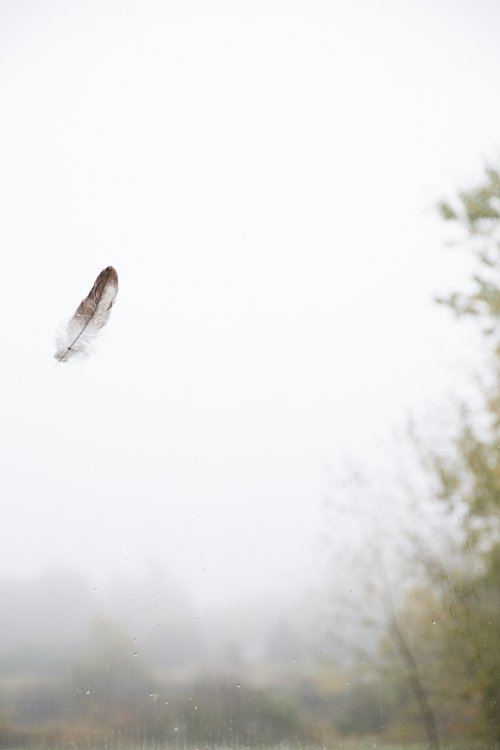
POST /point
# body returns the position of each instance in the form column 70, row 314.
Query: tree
column 439, row 652
column 467, row 475
column 111, row 679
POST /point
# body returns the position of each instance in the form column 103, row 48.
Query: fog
column 263, row 177
column 47, row 622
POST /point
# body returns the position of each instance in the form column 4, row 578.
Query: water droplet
column 238, row 685
column 434, row 622
column 176, row 729
column 136, row 653
column 88, row 692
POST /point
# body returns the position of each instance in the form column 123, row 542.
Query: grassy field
column 348, row 744
column 341, row 745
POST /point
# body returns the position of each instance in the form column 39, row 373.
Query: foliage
column 477, row 214
column 460, row 659
column 437, row 672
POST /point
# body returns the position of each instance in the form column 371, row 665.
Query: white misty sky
column 262, row 175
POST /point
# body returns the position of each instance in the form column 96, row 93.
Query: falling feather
column 91, row 315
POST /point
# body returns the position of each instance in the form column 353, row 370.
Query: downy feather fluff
column 91, row 315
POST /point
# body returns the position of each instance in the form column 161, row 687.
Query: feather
column 91, row 315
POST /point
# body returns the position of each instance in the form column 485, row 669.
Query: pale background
column 263, row 176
